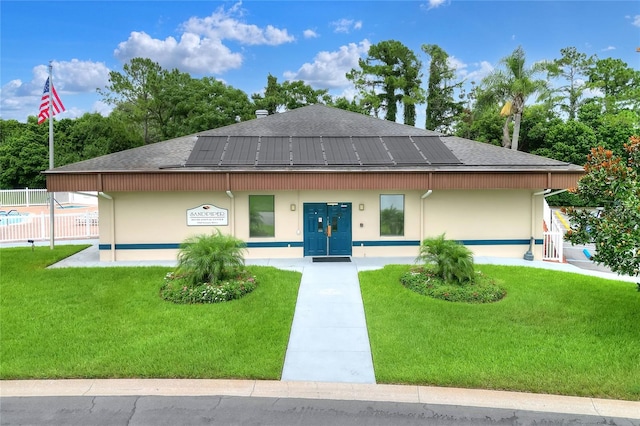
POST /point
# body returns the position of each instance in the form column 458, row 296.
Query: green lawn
column 554, row 332
column 111, row 322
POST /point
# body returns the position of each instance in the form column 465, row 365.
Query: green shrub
column 210, row 258
column 482, row 289
column 210, row 270
column 448, row 259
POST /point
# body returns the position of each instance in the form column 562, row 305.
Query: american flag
column 44, row 103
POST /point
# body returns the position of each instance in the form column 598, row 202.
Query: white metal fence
column 554, row 236
column 40, row 197
column 21, row 228
column 24, row 197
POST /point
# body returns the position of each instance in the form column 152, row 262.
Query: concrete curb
column 321, row 390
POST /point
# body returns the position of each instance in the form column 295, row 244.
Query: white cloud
column 102, row 108
column 329, row 68
column 19, row 99
column 310, row 34
column 224, row 25
column 200, row 48
column 433, row 4
column 75, row 76
column 191, row 54
column 636, row 21
column 456, row 63
column 479, row 71
column 345, row 25
column 608, row 48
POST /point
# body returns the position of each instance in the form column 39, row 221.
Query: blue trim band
column 499, row 242
column 275, row 244
column 388, row 243
column 300, row 244
column 149, row 246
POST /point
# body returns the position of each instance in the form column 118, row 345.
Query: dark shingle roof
column 318, row 136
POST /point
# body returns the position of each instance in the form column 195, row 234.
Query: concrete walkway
column 329, row 340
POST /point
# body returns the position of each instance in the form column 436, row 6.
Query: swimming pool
column 12, row 219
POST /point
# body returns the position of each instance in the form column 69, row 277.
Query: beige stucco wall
column 160, row 218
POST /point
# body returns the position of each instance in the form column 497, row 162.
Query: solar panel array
column 256, row 151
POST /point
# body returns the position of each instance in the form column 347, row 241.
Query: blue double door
column 327, row 229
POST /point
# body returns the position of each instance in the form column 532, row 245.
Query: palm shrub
column 210, row 258
column 450, row 261
column 210, row 270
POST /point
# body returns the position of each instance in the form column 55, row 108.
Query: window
column 391, row 215
column 261, row 216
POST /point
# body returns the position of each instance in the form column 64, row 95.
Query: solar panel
column 274, row 151
column 371, row 150
column 339, row 151
column 214, row 151
column 307, row 151
column 241, row 151
column 207, row 151
column 435, row 150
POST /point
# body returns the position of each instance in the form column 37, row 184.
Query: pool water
column 12, row 219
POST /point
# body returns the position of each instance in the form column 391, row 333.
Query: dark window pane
column 261, row 216
column 392, row 215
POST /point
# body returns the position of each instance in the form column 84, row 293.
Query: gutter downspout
column 422, row 197
column 232, row 213
column 560, row 191
column 113, row 224
column 529, row 254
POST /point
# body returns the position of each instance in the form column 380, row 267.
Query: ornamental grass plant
column 448, row 273
column 447, row 259
column 210, row 270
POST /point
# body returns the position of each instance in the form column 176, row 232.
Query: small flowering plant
column 178, row 290
column 482, row 289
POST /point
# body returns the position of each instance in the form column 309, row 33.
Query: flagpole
column 51, row 165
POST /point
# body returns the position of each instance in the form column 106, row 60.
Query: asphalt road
column 227, row 410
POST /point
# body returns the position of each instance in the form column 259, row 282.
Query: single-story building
column 318, row 181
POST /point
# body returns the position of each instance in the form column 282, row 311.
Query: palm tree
column 512, row 86
column 210, row 258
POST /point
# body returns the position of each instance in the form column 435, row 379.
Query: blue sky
column 240, row 43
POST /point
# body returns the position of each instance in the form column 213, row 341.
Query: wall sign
column 207, row 215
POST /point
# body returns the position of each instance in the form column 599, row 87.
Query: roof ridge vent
column 260, row 113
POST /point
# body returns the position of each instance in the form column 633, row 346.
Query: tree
column 388, row 76
column 135, row 91
column 24, row 153
column 572, row 67
column 203, row 104
column 288, row 95
column 442, row 110
column 93, row 135
column 511, row 86
column 272, row 98
column 536, row 121
column 347, row 105
column 480, row 125
column 613, row 182
column 619, row 84
column 568, row 141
